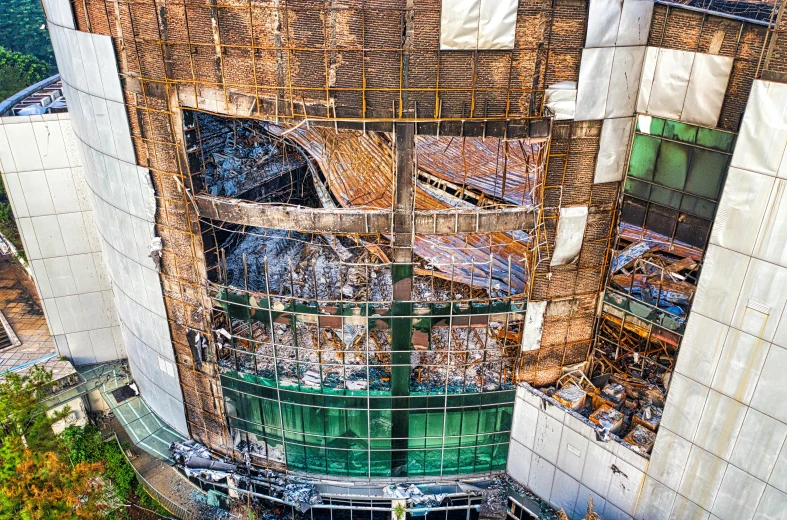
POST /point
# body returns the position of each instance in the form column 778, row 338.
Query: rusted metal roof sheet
column 358, row 169
column 482, row 164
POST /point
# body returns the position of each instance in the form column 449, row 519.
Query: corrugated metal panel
column 624, row 81
column 459, row 24
column 570, row 231
column 594, row 77
column 741, row 209
column 497, row 24
column 634, row 22
column 705, row 95
column 763, row 136
column 603, row 21
column 670, row 82
column 611, row 162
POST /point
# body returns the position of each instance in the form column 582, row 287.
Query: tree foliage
column 23, row 29
column 36, row 480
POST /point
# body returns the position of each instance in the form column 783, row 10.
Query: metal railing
column 172, row 507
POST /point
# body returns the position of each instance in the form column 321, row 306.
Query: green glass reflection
column 333, row 435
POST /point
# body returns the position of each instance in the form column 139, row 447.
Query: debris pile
column 345, row 355
column 241, row 156
column 196, row 461
column 624, row 405
column 660, row 283
column 413, row 495
column 496, row 498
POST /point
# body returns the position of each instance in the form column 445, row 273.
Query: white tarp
column 570, row 231
column 593, row 88
column 478, row 24
column 612, row 151
column 763, row 137
column 534, row 325
column 561, row 99
column 705, row 95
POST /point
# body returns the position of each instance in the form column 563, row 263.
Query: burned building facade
column 425, row 241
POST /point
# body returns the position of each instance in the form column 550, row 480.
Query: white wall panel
column 497, row 24
column 570, row 231
column 613, row 150
column 762, row 299
column 705, row 94
column 593, row 87
column 634, row 26
column 741, row 209
column 771, row 244
column 459, row 24
column 603, row 22
column 119, row 198
column 51, row 147
column 63, row 190
column 624, row 82
column 763, row 135
column 21, row 140
column 670, row 82
column 720, row 285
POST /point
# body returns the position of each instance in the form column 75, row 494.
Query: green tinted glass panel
column 680, row 131
column 665, row 196
column 650, row 125
column 644, row 151
column 715, row 139
column 706, row 173
column 638, row 189
column 672, row 166
column 700, row 207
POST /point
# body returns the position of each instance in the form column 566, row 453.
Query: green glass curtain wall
column 352, row 435
column 674, row 179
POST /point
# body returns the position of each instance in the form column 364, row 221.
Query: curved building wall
column 124, row 205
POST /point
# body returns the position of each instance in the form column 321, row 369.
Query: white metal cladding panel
column 618, row 23
column 59, row 12
column 603, row 22
column 741, row 210
column 478, row 24
column 705, row 94
column 624, row 82
column 534, row 325
column 497, row 24
column 635, row 19
column 570, row 231
column 763, row 137
column 670, row 82
column 121, row 194
column 459, row 24
column 593, row 88
column 613, row 148
column 771, row 244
